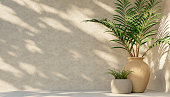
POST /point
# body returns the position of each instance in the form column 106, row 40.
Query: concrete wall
column 45, row 45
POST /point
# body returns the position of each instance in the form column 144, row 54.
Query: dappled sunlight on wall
column 104, row 6
column 31, row 46
column 77, row 56
column 111, row 60
column 9, row 15
column 8, row 68
column 159, row 57
column 46, row 45
column 167, row 59
column 30, row 69
column 6, row 86
column 56, row 25
column 167, row 80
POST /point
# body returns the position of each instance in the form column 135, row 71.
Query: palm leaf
column 132, row 23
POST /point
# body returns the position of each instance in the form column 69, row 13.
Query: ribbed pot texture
column 140, row 75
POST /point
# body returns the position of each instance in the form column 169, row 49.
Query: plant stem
column 133, row 52
column 146, row 52
column 138, row 50
column 127, row 49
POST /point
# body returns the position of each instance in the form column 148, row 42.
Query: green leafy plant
column 133, row 26
column 119, row 74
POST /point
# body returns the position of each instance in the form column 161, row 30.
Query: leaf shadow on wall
column 45, row 46
column 159, row 60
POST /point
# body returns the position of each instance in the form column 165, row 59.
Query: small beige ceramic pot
column 121, row 86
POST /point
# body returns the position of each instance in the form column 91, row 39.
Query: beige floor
column 79, row 94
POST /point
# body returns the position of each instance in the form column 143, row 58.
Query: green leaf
column 147, row 40
column 120, row 12
column 119, row 74
column 119, row 47
column 134, row 24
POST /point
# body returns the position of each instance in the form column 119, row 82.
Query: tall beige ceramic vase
column 140, row 75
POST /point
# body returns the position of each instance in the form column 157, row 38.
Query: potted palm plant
column 133, row 27
column 120, row 84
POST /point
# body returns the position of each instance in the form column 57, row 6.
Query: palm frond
column 132, row 23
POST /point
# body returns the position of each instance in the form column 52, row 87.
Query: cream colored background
column 159, row 57
column 44, row 45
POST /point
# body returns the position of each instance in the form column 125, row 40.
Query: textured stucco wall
column 159, row 57
column 45, row 45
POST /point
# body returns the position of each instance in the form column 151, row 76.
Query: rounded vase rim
column 135, row 57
